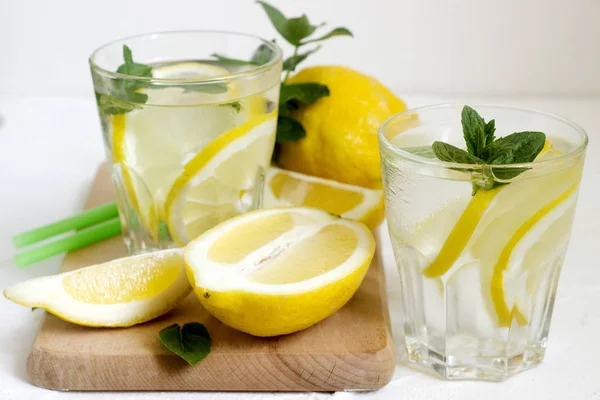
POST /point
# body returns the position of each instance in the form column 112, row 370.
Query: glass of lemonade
column 188, row 121
column 479, row 271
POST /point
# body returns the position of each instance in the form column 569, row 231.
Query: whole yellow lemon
column 341, row 129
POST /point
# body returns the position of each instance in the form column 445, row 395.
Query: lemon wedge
column 220, row 181
column 276, row 271
column 151, row 144
column 118, row 293
column 287, row 188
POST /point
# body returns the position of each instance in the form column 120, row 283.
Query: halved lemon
column 221, row 180
column 276, row 271
column 151, row 144
column 287, row 188
column 118, row 293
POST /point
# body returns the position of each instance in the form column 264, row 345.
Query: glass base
column 474, row 367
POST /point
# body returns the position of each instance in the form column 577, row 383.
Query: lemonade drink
column 188, row 134
column 479, row 268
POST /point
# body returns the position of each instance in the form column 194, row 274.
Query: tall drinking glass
column 188, row 121
column 478, row 268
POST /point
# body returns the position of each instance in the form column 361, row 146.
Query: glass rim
column 415, row 158
column 255, row 70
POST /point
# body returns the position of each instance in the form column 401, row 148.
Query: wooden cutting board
column 350, row 350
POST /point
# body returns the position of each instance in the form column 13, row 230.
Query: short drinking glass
column 478, row 267
column 188, row 121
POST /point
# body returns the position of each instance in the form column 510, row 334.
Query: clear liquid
column 150, row 146
column 462, row 323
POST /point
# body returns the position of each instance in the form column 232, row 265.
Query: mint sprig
column 483, row 148
column 191, row 342
column 125, row 96
column 297, row 31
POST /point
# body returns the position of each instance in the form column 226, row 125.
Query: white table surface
column 50, row 148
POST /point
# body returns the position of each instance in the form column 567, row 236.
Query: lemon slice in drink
column 507, row 230
column 287, row 188
column 483, row 208
column 118, row 293
column 219, row 182
column 189, row 70
column 151, row 144
column 276, row 271
column 518, row 217
column 535, row 244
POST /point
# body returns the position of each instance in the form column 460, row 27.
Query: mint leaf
column 289, row 130
column 302, row 93
column 489, row 130
column 447, row 152
column 292, row 30
column 298, row 29
column 423, row 151
column 127, row 56
column 112, row 106
column 262, row 55
column 278, row 20
column 508, row 173
column 124, row 92
column 132, row 68
column 291, row 63
column 192, row 342
column 291, row 97
column 340, row 31
column 233, row 61
column 236, row 105
column 516, row 148
column 473, row 131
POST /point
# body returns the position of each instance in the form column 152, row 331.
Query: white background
column 533, row 53
column 449, row 46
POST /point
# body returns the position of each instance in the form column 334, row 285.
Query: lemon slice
column 151, row 144
column 287, row 188
column 461, row 233
column 511, row 262
column 219, row 182
column 118, row 293
column 276, row 271
column 491, row 204
column 189, row 70
column 516, row 233
column 504, row 228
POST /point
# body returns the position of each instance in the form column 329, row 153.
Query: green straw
column 80, row 239
column 79, row 221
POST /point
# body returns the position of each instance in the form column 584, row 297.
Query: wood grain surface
column 350, row 350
